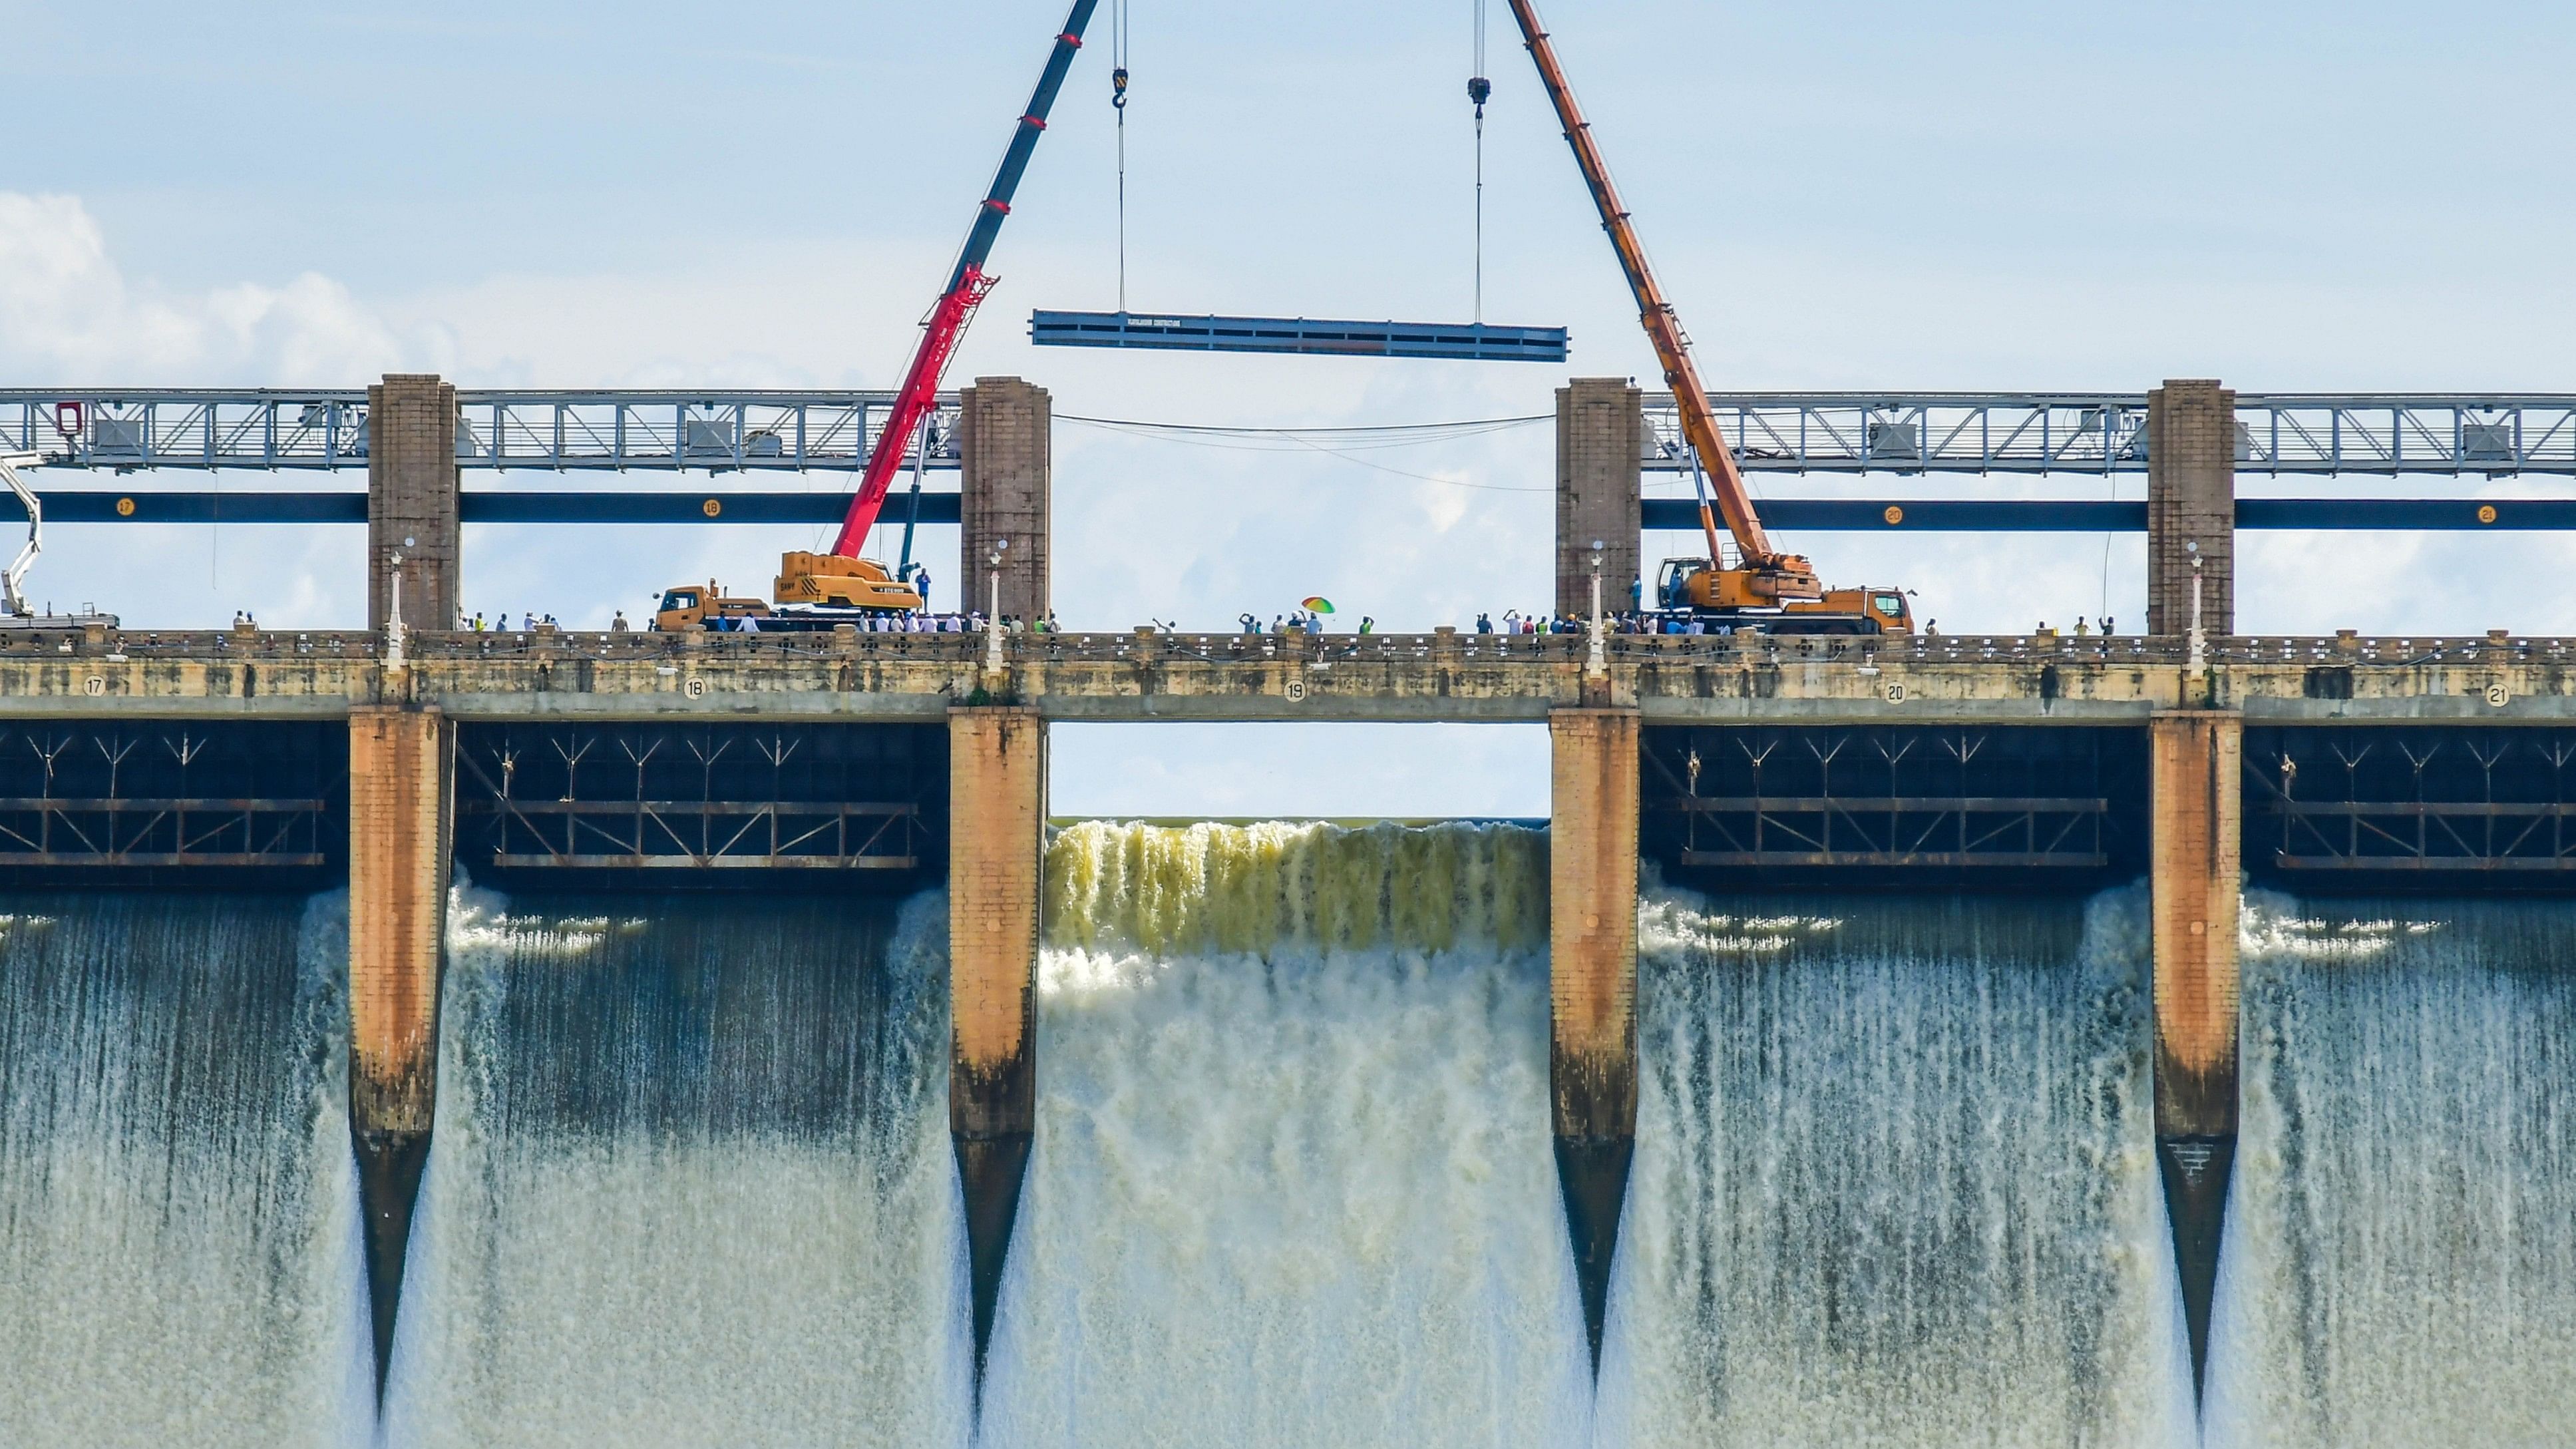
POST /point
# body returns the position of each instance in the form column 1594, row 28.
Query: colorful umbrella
column 1317, row 605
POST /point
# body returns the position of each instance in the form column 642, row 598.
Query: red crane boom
column 967, row 284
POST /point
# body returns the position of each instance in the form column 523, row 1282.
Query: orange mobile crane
column 1759, row 587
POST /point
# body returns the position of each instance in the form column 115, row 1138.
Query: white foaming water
column 179, row 1258
column 1292, row 1183
column 1895, row 1182
column 2400, row 1264
column 691, row 1183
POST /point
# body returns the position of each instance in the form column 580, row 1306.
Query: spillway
column 178, row 1223
column 1292, row 1183
column 1894, row 1181
column 691, row 1184
column 2401, row 1262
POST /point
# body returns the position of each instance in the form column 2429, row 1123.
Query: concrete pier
column 1592, row 983
column 412, row 494
column 997, row 826
column 1004, row 492
column 2195, row 848
column 400, row 821
column 2191, row 506
column 1600, row 454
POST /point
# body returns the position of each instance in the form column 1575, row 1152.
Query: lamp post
column 993, row 608
column 393, row 613
column 1596, row 663
column 2199, row 659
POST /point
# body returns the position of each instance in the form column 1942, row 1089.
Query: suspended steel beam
column 1461, row 341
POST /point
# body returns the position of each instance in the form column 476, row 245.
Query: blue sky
column 2009, row 195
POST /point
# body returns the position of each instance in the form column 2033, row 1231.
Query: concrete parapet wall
column 1392, row 677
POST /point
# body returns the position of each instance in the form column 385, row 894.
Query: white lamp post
column 1596, row 664
column 2199, row 660
column 393, row 614
column 993, row 608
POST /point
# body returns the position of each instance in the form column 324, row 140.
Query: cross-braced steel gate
column 1904, row 800
column 562, row 797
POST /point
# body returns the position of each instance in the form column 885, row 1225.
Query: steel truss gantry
column 600, row 430
column 729, row 430
column 2313, row 434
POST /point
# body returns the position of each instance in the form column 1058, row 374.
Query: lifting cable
column 1478, row 89
column 1344, row 443
column 1118, row 103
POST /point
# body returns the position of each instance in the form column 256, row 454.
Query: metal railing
column 2317, row 434
column 1311, row 651
column 742, row 430
column 599, row 430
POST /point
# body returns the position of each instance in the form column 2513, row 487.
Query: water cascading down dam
column 2015, row 1040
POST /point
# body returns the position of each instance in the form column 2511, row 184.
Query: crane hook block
column 1479, row 90
column 1118, row 88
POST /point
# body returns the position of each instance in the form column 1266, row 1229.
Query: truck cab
column 695, row 606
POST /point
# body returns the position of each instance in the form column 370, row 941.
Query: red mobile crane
column 818, row 590
column 1762, row 588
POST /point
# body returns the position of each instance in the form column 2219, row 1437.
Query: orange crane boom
column 1775, row 574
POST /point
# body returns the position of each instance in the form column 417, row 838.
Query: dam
column 435, row 1037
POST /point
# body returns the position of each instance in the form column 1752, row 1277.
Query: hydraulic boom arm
column 1787, row 575
column 966, row 287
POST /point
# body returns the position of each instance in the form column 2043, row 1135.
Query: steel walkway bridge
column 2315, row 434
column 722, row 431
column 326, row 430
column 2355, row 434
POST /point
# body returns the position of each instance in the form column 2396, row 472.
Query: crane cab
column 1693, row 588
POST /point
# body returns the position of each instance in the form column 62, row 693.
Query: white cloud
column 68, row 314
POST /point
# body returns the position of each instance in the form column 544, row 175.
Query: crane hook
column 1479, row 90
column 1118, row 88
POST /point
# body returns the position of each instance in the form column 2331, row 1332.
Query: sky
column 1837, row 194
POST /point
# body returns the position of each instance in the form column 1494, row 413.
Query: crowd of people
column 1299, row 621
column 917, row 623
